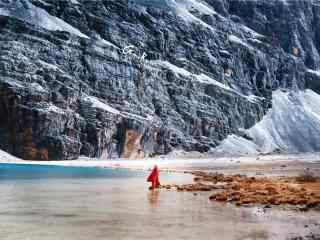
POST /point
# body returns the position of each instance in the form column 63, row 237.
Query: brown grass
column 243, row 190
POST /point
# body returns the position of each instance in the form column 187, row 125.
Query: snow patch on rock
column 37, row 87
column 206, row 79
column 6, row 157
column 49, row 66
column 292, row 125
column 195, row 5
column 26, row 11
column 183, row 72
column 183, row 9
column 236, row 145
column 314, row 72
column 250, row 31
column 203, row 78
column 96, row 103
column 235, row 39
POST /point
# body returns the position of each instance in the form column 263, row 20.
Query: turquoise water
column 67, row 203
column 32, row 172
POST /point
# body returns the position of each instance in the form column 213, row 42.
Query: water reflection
column 153, row 198
column 83, row 208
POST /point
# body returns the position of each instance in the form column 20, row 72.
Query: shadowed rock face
column 68, row 88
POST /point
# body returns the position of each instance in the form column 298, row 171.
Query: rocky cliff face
column 119, row 78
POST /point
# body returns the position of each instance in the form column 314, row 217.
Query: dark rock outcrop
column 73, row 79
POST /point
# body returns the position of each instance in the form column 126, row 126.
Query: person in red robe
column 154, row 178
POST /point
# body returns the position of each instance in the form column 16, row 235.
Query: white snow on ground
column 98, row 104
column 315, row 72
column 236, row 145
column 27, row 12
column 203, row 78
column 292, row 125
column 6, row 157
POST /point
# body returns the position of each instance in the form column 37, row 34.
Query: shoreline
column 180, row 162
column 261, row 165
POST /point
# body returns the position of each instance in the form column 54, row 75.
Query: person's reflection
column 153, row 198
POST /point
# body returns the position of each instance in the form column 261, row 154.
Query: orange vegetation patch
column 242, row 190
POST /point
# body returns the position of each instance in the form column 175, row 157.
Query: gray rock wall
column 68, row 88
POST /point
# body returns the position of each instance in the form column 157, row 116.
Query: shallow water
column 50, row 203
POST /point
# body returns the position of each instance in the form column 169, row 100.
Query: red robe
column 154, row 178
